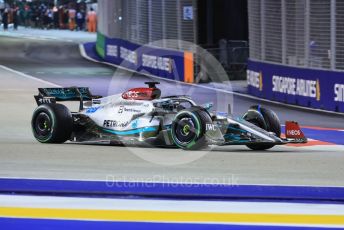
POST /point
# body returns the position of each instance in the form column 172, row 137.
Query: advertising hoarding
column 312, row 88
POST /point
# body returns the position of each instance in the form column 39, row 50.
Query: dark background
column 222, row 19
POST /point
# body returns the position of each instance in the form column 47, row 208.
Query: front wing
column 231, row 131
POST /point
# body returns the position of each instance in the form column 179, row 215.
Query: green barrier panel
column 100, row 46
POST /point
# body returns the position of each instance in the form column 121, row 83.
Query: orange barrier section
column 188, row 67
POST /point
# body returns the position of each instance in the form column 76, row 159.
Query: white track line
column 83, row 53
column 28, row 76
column 26, row 201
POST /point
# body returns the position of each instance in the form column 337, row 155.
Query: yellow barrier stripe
column 165, row 216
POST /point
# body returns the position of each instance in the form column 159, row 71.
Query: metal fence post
column 179, row 24
column 284, row 32
column 262, row 14
column 333, row 35
column 137, row 2
column 195, row 21
column 307, row 37
column 163, row 23
column 150, row 22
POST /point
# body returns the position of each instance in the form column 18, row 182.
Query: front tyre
column 52, row 123
column 266, row 119
column 189, row 127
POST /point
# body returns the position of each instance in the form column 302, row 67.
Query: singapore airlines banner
column 165, row 63
column 318, row 89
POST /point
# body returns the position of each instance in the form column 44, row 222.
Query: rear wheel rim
column 43, row 125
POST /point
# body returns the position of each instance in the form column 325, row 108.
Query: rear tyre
column 52, row 123
column 265, row 119
column 189, row 127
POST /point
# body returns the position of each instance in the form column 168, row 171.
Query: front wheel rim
column 185, row 131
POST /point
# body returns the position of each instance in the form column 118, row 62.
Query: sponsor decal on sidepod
column 114, row 124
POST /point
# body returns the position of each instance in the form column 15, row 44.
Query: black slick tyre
column 52, row 123
column 265, row 119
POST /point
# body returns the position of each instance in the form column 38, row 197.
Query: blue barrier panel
column 318, row 89
column 90, row 51
column 173, row 190
column 42, row 224
column 151, row 60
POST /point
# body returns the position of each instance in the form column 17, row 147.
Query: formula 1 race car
column 142, row 116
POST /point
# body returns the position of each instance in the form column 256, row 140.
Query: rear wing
column 52, row 95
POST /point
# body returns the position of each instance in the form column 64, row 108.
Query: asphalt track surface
column 59, row 63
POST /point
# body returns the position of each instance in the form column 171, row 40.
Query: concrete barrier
column 13, row 48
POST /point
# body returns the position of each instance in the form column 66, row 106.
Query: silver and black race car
column 141, row 116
